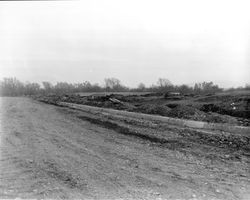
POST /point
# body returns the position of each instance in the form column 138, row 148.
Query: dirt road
column 51, row 152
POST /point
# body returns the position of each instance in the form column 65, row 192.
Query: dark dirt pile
column 233, row 105
column 50, row 99
column 187, row 112
column 74, row 99
column 218, row 118
column 212, row 110
column 153, row 109
column 192, row 113
column 110, row 104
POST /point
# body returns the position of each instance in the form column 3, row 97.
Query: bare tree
column 141, row 87
column 206, row 87
column 184, row 89
column 247, row 86
column 112, row 82
column 47, row 86
column 32, row 88
column 11, row 87
column 163, row 82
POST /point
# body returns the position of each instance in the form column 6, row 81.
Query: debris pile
column 218, row 118
column 109, row 101
column 50, row 99
column 153, row 109
column 187, row 112
column 214, row 109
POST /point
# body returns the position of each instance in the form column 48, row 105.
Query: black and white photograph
column 125, row 100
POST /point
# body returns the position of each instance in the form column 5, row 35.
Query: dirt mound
column 111, row 104
column 232, row 108
column 210, row 108
column 233, row 111
column 74, row 99
column 53, row 99
column 50, row 99
column 187, row 112
column 218, row 118
column 152, row 94
column 153, row 109
column 213, row 98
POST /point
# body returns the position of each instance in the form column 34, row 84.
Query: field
column 61, row 147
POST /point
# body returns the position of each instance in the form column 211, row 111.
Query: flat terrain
column 60, row 153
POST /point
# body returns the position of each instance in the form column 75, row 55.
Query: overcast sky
column 134, row 41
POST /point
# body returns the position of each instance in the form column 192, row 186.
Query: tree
column 64, row 87
column 184, row 89
column 163, row 82
column 164, row 85
column 11, row 87
column 31, row 88
column 206, row 87
column 47, row 86
column 112, row 84
column 141, row 87
column 247, row 86
column 197, row 88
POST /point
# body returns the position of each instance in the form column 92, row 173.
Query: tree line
column 13, row 87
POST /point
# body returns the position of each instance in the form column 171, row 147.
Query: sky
column 134, row 40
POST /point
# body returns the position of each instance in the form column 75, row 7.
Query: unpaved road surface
column 53, row 152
